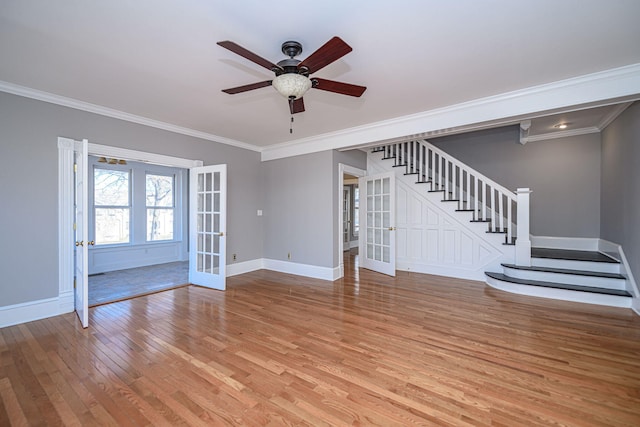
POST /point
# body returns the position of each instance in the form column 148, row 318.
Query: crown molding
column 623, row 82
column 117, row 114
column 561, row 134
column 606, row 120
column 591, row 88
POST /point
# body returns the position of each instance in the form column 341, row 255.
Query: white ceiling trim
column 596, row 87
column 606, row 120
column 142, row 156
column 117, row 114
column 560, row 134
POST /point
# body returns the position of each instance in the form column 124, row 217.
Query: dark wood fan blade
column 338, row 87
column 331, row 51
column 296, row 106
column 236, row 48
column 245, row 88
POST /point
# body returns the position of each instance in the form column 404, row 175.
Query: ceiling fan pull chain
column 291, row 99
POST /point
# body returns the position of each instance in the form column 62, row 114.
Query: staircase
column 580, row 276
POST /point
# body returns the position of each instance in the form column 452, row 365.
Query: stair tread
column 567, row 271
column 590, row 289
column 572, row 255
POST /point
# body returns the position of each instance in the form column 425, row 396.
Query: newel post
column 523, row 241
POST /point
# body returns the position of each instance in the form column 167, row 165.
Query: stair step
column 567, row 271
column 411, row 173
column 423, row 182
column 572, row 255
column 565, row 275
column 574, row 260
column 555, row 285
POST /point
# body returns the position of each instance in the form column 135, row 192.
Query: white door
column 81, row 279
column 207, row 225
column 377, row 219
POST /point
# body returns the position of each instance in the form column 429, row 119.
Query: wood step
column 567, row 271
column 574, row 260
column 555, row 285
column 573, row 255
column 565, row 275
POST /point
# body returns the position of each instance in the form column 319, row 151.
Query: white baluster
column 447, row 184
column 509, row 226
column 459, row 184
column 501, row 209
column 476, row 211
column 468, row 205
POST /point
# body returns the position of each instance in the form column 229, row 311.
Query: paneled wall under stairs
column 432, row 238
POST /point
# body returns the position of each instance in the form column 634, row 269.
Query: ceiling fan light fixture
column 291, row 85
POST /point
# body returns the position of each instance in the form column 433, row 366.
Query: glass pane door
column 377, row 247
column 207, row 225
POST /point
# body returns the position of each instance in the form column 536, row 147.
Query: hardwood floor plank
column 11, row 408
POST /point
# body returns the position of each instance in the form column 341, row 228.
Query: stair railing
column 489, row 201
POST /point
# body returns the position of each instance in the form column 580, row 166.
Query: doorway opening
column 348, row 212
column 137, row 228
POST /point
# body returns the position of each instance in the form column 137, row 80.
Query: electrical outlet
column 235, row 256
column 289, row 255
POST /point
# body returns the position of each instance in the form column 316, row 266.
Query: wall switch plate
column 259, row 212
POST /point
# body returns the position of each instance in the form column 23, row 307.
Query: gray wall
column 28, row 195
column 298, row 209
column 301, row 210
column 620, row 208
column 563, row 174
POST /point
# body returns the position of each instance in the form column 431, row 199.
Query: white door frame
column 66, row 240
column 342, row 169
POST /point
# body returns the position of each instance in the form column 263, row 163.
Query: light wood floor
column 276, row 349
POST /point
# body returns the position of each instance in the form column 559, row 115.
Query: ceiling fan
column 292, row 75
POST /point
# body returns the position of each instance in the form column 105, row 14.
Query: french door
column 81, row 268
column 377, row 217
column 207, row 225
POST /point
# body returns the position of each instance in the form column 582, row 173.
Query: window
column 112, row 206
column 160, row 207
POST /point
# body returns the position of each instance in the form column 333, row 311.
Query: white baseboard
column 313, row 271
column 244, row 267
column 437, row 270
column 34, row 310
column 66, row 301
column 573, row 243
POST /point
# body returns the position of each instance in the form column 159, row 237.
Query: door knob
column 221, row 233
column 80, row 243
column 92, row 243
column 391, row 228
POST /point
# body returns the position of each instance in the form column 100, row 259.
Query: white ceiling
column 158, row 59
